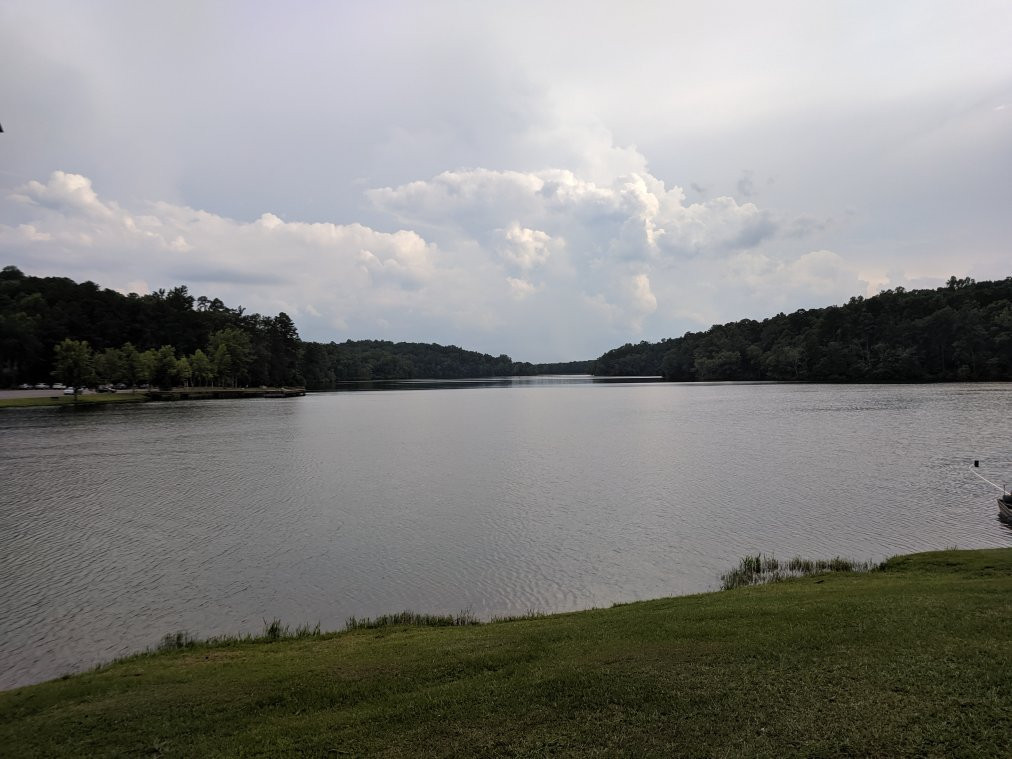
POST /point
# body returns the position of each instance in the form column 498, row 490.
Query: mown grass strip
column 68, row 400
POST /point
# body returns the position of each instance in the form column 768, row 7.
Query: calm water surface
column 120, row 524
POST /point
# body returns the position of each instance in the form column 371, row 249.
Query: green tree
column 132, row 369
column 110, row 366
column 75, row 364
column 183, row 370
column 163, row 370
column 200, row 367
column 19, row 346
column 723, row 365
column 232, row 353
column 146, row 365
column 222, row 363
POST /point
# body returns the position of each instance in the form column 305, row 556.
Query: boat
column 1004, row 500
column 1005, row 507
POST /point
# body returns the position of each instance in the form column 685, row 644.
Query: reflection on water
column 543, row 379
column 551, row 494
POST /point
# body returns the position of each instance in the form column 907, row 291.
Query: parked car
column 58, row 386
column 24, row 386
column 41, row 386
column 68, row 391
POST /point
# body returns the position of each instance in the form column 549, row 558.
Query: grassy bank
column 140, row 396
column 910, row 660
column 68, row 400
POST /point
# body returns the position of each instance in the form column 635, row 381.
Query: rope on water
column 978, row 474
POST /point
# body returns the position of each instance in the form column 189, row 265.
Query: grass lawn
column 68, row 400
column 911, row 660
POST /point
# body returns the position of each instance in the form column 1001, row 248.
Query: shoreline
column 909, row 659
column 47, row 399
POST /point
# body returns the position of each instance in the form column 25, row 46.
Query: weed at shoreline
column 464, row 617
column 274, row 630
column 761, row 569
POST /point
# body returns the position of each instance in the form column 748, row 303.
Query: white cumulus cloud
column 544, row 265
column 525, row 248
column 634, row 216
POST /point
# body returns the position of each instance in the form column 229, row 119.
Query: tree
column 183, row 370
column 75, row 364
column 132, row 369
column 200, row 367
column 285, row 344
column 222, row 363
column 19, row 346
column 146, row 365
column 163, row 370
column 232, row 353
column 110, row 366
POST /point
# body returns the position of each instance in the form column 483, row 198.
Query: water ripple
column 119, row 526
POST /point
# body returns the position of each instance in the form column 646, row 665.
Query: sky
column 546, row 179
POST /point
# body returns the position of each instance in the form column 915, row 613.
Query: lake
column 120, row 524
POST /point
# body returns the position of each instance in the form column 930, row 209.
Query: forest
column 173, row 338
column 959, row 332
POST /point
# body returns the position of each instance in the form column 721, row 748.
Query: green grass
column 68, row 400
column 912, row 659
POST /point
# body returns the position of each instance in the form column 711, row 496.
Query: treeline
column 326, row 365
column 163, row 337
column 229, row 360
column 172, row 337
column 962, row 331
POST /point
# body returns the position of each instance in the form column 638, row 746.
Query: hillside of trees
column 171, row 337
column 959, row 332
column 325, row 365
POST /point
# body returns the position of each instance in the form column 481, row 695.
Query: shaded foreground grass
column 910, row 660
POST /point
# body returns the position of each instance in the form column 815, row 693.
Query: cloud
column 71, row 193
column 543, row 265
column 746, row 185
column 631, row 217
column 301, row 267
column 817, row 277
column 521, row 288
column 525, row 248
column 473, row 122
column 640, row 298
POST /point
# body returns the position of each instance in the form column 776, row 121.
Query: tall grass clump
column 274, row 630
column 176, row 641
column 761, row 569
column 460, row 619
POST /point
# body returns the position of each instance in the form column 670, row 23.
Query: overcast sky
column 548, row 179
